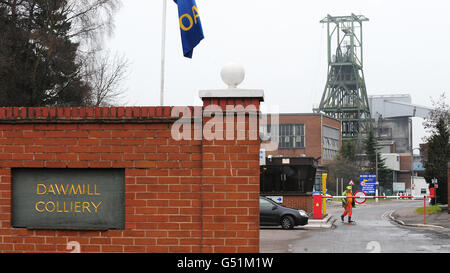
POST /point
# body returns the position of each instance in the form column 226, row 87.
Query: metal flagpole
column 163, row 51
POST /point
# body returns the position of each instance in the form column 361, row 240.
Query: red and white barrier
column 361, row 197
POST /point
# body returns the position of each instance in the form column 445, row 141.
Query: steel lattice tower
column 345, row 95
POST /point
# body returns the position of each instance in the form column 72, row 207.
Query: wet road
column 373, row 232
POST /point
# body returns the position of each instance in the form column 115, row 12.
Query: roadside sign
column 398, row 187
column 277, row 199
column 360, row 200
column 367, row 183
column 262, row 157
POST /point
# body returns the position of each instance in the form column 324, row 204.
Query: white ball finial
column 233, row 74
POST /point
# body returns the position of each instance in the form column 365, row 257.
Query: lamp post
column 163, row 51
column 376, row 172
column 377, row 185
column 324, row 193
column 377, row 118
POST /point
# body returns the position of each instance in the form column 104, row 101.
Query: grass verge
column 430, row 210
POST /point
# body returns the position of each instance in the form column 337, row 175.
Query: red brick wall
column 299, row 202
column 313, row 134
column 231, row 188
column 180, row 196
column 405, row 162
column 404, row 177
column 405, row 170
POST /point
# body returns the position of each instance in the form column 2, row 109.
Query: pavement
column 408, row 217
column 326, row 222
column 403, row 216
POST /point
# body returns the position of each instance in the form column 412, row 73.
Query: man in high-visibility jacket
column 348, row 204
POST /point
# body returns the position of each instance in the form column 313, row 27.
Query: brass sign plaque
column 76, row 199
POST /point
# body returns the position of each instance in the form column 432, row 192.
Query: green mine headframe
column 345, row 95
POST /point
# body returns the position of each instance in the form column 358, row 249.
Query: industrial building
column 306, row 135
column 347, row 112
column 345, row 98
column 306, row 142
column 392, row 115
column 345, row 93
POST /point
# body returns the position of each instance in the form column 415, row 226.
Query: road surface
column 373, row 232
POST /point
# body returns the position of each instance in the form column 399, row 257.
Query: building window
column 292, row 136
column 298, row 179
column 330, row 142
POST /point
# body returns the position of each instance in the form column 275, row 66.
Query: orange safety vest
column 349, row 200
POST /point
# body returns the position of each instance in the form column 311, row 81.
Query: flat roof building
column 293, row 171
column 306, row 135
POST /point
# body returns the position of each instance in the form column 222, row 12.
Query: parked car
column 273, row 214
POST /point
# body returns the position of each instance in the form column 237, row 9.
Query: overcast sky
column 282, row 46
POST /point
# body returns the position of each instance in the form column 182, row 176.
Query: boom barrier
column 361, row 197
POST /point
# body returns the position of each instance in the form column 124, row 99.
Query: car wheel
column 287, row 222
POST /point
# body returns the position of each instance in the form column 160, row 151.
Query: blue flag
column 190, row 26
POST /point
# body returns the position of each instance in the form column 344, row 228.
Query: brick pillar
column 230, row 166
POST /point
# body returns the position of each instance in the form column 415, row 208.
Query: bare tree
column 91, row 20
column 441, row 109
column 106, row 73
column 51, row 53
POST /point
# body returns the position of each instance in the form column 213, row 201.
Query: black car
column 273, row 214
